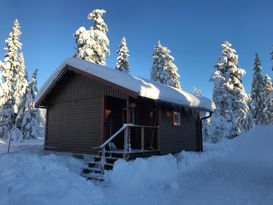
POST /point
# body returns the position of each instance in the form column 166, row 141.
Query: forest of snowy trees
column 236, row 111
column 18, row 117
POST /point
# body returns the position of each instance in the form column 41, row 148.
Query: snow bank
column 33, row 145
column 138, row 85
column 235, row 171
column 28, row 179
column 144, row 173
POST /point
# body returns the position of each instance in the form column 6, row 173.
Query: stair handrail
column 125, row 125
column 112, row 137
column 126, row 147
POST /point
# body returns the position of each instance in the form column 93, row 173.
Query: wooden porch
column 107, row 155
column 124, row 134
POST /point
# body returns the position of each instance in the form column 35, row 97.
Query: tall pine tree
column 231, row 116
column 123, row 57
column 29, row 119
column 257, row 93
column 268, row 100
column 92, row 44
column 21, row 82
column 164, row 70
column 9, row 69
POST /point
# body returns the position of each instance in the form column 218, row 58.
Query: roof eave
column 187, row 106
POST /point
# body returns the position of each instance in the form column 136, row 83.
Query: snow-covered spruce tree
column 268, row 100
column 257, row 93
column 196, row 92
column 9, row 68
column 216, row 127
column 123, row 57
column 231, row 116
column 1, row 86
column 92, row 44
column 164, row 70
column 21, row 82
column 29, row 119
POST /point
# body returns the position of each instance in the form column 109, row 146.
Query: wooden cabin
column 91, row 107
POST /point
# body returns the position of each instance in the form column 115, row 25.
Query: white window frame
column 175, row 115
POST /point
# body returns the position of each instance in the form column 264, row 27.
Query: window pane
column 176, row 118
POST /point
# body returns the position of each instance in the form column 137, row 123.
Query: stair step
column 92, row 170
column 108, row 159
column 108, row 166
column 100, row 179
column 96, row 164
column 112, row 154
column 93, row 176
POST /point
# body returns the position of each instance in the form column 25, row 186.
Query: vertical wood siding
column 74, row 113
column 75, row 108
column 73, row 87
column 74, row 126
column 178, row 138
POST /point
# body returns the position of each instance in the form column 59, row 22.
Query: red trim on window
column 173, row 119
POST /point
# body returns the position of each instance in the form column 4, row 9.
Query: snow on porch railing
column 127, row 140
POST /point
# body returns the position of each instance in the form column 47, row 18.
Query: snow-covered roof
column 140, row 86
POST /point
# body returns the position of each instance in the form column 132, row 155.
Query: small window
column 176, row 118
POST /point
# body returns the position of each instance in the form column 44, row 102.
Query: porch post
column 128, row 130
column 103, row 99
column 127, row 111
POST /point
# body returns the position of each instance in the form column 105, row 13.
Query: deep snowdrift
column 233, row 172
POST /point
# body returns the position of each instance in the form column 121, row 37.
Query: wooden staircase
column 105, row 159
column 96, row 168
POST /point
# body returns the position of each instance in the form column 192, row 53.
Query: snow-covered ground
column 35, row 145
column 236, row 171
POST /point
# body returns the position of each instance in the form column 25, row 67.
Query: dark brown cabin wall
column 198, row 132
column 89, row 88
column 178, row 138
column 64, row 91
column 74, row 126
column 73, row 87
column 74, row 108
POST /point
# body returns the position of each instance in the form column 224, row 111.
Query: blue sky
column 193, row 30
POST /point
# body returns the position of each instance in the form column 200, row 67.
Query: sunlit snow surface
column 232, row 172
column 143, row 87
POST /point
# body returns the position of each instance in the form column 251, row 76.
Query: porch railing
column 127, row 140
